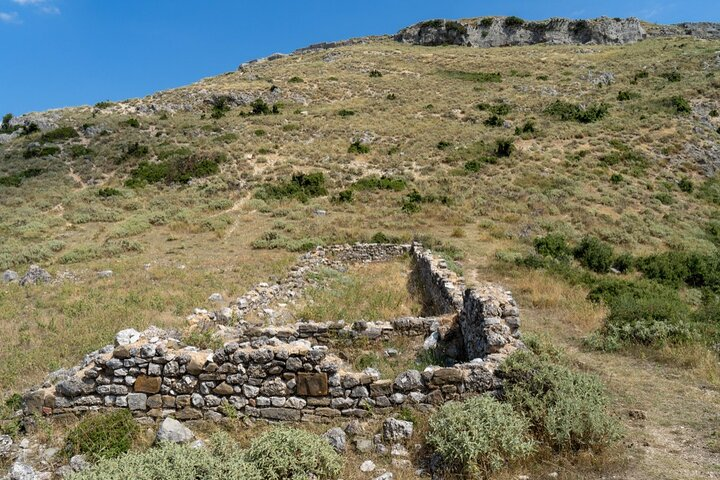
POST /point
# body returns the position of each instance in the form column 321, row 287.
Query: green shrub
column 132, row 122
column 686, row 185
column 391, row 96
column 223, row 459
column 486, row 22
column 497, row 109
column 567, row 410
column 494, row 121
column 345, row 196
column 375, row 74
column 380, row 183
column 16, row 179
column 346, row 113
column 624, row 96
column 623, row 263
column 109, row 192
column 37, row 151
column 289, row 453
column 594, row 254
column 514, row 22
column 296, row 80
column 443, row 145
column 358, row 147
column 625, row 156
column 220, row 106
column 136, row 150
column 103, row 105
column 679, row 104
column 474, row 166
column 552, row 245
column 59, row 134
column 380, row 237
column 479, row 77
column 504, row 147
column 79, row 151
column 527, row 127
column 177, row 170
column 671, row 76
column 106, row 435
column 676, row 267
column 616, row 178
column 568, row 111
column 301, row 187
column 259, row 107
column 479, row 436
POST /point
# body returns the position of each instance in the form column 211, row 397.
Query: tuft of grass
column 106, row 435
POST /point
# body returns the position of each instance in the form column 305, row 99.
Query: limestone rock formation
column 507, row 31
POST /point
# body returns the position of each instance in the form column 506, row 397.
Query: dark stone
column 312, row 384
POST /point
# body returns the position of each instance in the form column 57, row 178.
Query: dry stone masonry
column 288, row 372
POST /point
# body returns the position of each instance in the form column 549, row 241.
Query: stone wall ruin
column 289, row 372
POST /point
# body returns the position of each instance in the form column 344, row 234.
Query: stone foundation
column 289, row 372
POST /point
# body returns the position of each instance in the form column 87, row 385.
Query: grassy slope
column 208, row 227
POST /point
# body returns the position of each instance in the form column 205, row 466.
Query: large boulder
column 35, row 275
column 22, row 471
column 173, row 431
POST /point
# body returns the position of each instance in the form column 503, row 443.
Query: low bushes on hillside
column 380, row 183
column 568, row 111
column 594, row 254
column 59, row 134
column 567, row 410
column 302, row 186
column 176, row 170
column 479, row 436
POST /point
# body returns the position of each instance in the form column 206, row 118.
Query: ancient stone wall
column 288, row 372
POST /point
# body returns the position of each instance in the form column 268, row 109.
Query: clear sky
column 56, row 53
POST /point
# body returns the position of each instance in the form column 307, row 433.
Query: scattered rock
column 367, row 466
column 9, row 276
column 6, row 444
column 35, row 275
column 385, row 476
column 79, row 463
column 126, row 337
column 395, row 430
column 22, row 471
column 337, row 439
column 174, row 432
column 215, row 297
column 105, row 274
column 637, row 414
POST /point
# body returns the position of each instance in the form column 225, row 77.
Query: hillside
column 494, row 157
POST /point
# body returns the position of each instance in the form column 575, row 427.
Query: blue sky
column 57, row 53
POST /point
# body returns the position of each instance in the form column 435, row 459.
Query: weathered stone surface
column 145, row 384
column 395, row 430
column 127, row 337
column 407, row 381
column 173, row 431
column 282, row 414
column 496, row 32
column 337, row 439
column 35, row 275
column 189, row 413
column 9, row 276
column 312, row 384
column 137, row 401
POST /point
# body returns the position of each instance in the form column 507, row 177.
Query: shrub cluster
column 16, row 179
column 413, row 200
column 679, row 104
column 479, row 436
column 280, row 453
column 480, row 77
column 175, row 170
column 568, row 111
column 59, row 134
column 300, row 187
column 380, row 183
column 567, row 410
column 359, row 148
column 36, row 151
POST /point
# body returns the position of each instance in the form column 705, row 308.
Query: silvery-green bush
column 479, row 436
column 281, row 453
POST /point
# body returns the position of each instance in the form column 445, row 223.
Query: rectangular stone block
column 312, row 384
column 381, row 387
column 145, row 384
column 283, row 414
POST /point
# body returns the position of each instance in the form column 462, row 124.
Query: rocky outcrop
column 507, row 31
column 704, row 30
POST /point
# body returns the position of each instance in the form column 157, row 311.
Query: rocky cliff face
column 705, row 30
column 506, row 31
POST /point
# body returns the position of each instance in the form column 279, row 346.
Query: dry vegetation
column 620, row 178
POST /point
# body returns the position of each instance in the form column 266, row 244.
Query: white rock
column 215, row 297
column 431, row 341
column 385, row 476
column 173, row 431
column 367, row 466
column 105, row 274
column 127, row 336
column 21, row 471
